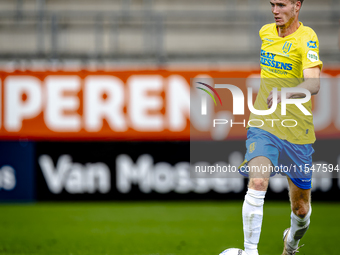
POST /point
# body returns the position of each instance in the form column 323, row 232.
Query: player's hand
column 270, row 99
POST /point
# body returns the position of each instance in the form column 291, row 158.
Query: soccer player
column 289, row 58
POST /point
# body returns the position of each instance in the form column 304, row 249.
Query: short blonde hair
column 294, row 1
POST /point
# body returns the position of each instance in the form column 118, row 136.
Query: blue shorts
column 288, row 159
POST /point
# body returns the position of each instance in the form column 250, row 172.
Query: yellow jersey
column 282, row 63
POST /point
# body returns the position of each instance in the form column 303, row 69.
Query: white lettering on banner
column 7, row 178
column 178, row 105
column 25, row 97
column 140, row 102
column 164, row 178
column 129, row 173
column 17, row 109
column 58, row 103
column 136, row 105
column 97, row 108
column 74, row 177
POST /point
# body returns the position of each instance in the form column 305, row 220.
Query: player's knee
column 260, row 184
column 301, row 213
column 301, row 210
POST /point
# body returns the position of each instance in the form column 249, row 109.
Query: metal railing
column 153, row 35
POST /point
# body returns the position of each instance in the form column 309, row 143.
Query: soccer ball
column 233, row 251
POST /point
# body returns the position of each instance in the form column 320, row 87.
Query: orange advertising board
column 126, row 105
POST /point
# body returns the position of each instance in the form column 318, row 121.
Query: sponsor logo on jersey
column 267, row 59
column 286, row 47
column 312, row 44
column 269, row 40
column 312, row 56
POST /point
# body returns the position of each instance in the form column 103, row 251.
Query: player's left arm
column 311, row 83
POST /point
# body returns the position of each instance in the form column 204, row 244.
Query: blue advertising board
column 17, row 178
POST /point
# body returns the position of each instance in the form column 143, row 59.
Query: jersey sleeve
column 263, row 30
column 310, row 51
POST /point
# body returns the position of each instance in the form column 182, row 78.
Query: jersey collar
column 291, row 35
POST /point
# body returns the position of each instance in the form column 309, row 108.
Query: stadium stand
column 147, row 31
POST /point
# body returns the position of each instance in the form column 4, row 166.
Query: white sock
column 252, row 214
column 298, row 228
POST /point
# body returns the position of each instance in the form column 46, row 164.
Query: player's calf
column 299, row 227
column 252, row 214
column 300, row 215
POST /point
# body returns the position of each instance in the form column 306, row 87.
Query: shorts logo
column 252, row 147
column 312, row 44
column 286, row 47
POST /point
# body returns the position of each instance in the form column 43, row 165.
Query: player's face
column 285, row 12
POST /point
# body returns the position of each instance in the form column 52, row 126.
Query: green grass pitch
column 154, row 228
